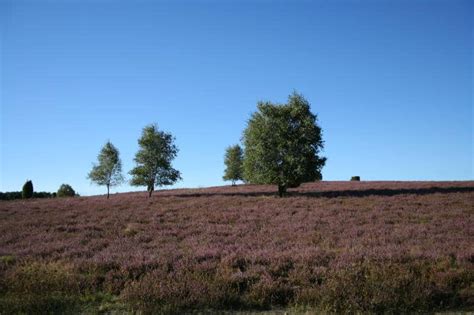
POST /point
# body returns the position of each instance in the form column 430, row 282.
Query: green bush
column 66, row 191
column 12, row 195
column 355, row 178
column 27, row 191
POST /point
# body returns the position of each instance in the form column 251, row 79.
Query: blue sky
column 391, row 82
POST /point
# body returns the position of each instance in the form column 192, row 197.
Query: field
column 327, row 247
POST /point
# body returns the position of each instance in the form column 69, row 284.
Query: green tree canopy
column 283, row 144
column 153, row 159
column 233, row 161
column 109, row 170
column 27, row 191
column 66, row 190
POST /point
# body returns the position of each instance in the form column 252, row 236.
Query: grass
column 331, row 247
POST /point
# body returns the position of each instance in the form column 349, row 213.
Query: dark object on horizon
column 27, row 191
column 283, row 145
column 355, row 178
column 65, row 190
column 12, row 195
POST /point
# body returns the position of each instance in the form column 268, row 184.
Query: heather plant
column 157, row 150
column 27, row 191
column 367, row 247
column 233, row 161
column 283, row 144
column 65, row 190
column 109, row 170
column 35, row 288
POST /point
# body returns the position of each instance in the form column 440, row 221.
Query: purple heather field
column 330, row 246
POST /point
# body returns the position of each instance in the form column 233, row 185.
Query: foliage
column 109, row 170
column 233, row 161
column 355, row 178
column 65, row 190
column 153, row 159
column 36, row 288
column 27, row 191
column 12, row 195
column 282, row 144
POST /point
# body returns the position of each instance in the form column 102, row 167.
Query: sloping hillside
column 338, row 246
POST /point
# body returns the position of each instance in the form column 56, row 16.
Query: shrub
column 42, row 194
column 379, row 288
column 27, row 191
column 10, row 195
column 355, row 178
column 66, row 191
column 34, row 288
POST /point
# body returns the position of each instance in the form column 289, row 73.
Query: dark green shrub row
column 11, row 195
column 27, row 192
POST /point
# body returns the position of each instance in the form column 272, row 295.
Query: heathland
column 326, row 247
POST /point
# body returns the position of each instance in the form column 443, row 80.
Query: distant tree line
column 11, row 195
column 28, row 192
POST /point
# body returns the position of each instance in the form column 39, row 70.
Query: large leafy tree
column 233, row 161
column 283, row 144
column 153, row 159
column 108, row 172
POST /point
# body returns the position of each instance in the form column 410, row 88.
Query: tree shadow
column 386, row 192
column 337, row 193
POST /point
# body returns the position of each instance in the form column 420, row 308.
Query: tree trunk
column 281, row 190
column 150, row 190
column 108, row 188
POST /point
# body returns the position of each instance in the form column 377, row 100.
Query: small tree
column 282, row 144
column 233, row 161
column 27, row 191
column 153, row 159
column 65, row 190
column 109, row 170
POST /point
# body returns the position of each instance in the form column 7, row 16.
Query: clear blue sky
column 391, row 82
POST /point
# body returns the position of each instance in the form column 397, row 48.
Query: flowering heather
column 328, row 246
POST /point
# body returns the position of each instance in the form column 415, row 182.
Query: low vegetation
column 369, row 247
column 12, row 195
